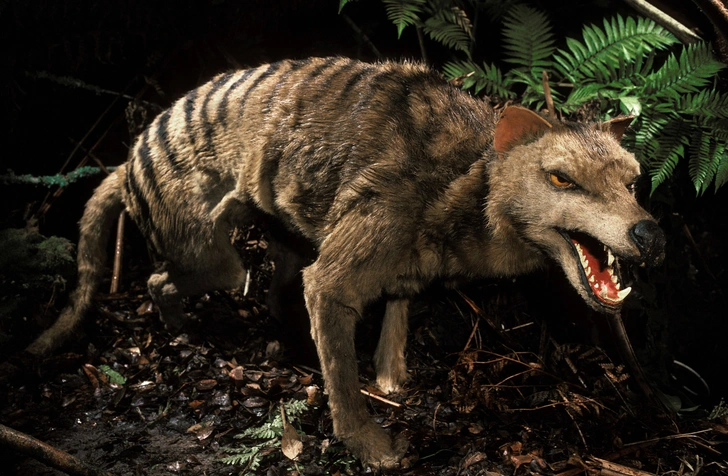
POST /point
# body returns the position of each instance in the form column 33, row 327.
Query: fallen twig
column 118, row 254
column 381, row 399
column 47, row 454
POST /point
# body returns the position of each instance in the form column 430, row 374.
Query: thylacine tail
column 98, row 220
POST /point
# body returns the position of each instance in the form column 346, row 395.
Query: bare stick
column 421, row 40
column 624, row 345
column 547, row 95
column 381, row 399
column 47, row 454
column 118, row 254
column 717, row 13
column 682, row 32
column 362, row 35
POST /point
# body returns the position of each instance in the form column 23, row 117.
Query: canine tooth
column 610, row 257
column 623, row 293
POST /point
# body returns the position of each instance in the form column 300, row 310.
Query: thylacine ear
column 514, row 125
column 617, row 126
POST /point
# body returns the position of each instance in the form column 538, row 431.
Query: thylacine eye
column 631, row 187
column 560, row 182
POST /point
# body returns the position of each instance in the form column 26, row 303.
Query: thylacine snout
column 650, row 240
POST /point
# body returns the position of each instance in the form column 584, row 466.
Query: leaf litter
column 491, row 392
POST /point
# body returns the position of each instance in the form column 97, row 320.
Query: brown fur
column 396, row 177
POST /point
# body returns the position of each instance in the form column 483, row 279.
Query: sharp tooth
column 596, row 286
column 616, row 285
column 610, row 257
column 588, row 270
column 615, row 280
column 603, row 293
column 623, row 293
column 591, row 279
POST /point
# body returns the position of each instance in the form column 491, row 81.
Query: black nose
column 650, row 240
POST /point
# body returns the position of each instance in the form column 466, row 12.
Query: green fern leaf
column 666, row 147
column 528, row 39
column 706, row 103
column 721, row 173
column 487, row 79
column 403, row 13
column 603, row 48
column 695, row 68
column 452, row 35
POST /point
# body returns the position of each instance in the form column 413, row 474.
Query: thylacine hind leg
column 389, row 356
column 215, row 265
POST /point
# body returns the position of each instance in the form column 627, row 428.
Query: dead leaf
column 473, row 458
column 206, row 384
column 291, row 443
column 147, row 307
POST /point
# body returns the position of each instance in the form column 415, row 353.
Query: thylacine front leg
column 389, row 357
column 333, row 321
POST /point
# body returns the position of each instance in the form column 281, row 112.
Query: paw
column 390, row 378
column 375, row 448
column 391, row 383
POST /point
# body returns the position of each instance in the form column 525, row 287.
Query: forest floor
column 492, row 391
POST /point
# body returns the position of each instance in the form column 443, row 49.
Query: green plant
column 262, row 440
column 626, row 65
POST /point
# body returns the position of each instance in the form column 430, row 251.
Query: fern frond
column 721, row 173
column 707, row 155
column 670, row 148
column 695, row 68
column 450, row 34
column 403, row 13
column 487, row 79
column 706, row 103
column 603, row 48
column 528, row 39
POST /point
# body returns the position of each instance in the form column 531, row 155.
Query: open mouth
column 599, row 269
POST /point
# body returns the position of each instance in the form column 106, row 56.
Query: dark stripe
column 144, row 153
column 190, row 101
column 166, row 146
column 272, row 68
column 296, row 65
column 352, row 82
column 222, row 107
column 144, row 218
column 320, row 69
column 300, row 103
column 208, row 127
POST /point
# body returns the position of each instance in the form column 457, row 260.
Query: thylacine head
column 568, row 191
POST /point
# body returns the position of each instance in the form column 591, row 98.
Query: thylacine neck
column 475, row 237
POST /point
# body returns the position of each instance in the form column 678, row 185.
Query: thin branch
column 624, row 346
column 421, row 40
column 547, row 94
column 362, row 35
column 682, row 32
column 717, row 13
column 118, row 254
column 47, row 454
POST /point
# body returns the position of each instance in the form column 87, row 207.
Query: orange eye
column 559, row 181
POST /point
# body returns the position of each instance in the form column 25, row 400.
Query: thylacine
column 398, row 178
